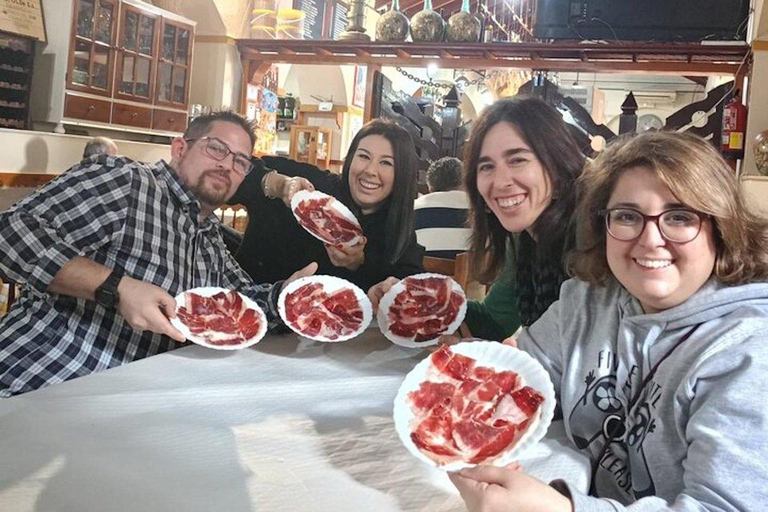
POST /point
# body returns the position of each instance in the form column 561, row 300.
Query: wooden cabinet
column 131, row 115
column 168, row 120
column 91, row 53
column 311, row 144
column 174, row 59
column 87, row 108
column 133, row 56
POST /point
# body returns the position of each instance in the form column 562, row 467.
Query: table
column 285, row 425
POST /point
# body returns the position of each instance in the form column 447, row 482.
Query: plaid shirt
column 130, row 216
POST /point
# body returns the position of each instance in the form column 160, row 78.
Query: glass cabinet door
column 137, row 49
column 92, row 53
column 173, row 64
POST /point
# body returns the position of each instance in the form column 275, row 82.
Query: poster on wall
column 22, row 17
column 358, row 94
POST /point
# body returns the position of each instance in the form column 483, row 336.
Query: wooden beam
column 25, row 179
column 368, row 109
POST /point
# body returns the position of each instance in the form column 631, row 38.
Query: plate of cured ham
column 419, row 309
column 218, row 318
column 474, row 403
column 326, row 218
column 324, row 308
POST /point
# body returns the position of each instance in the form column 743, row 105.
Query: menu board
column 340, row 21
column 22, row 17
column 314, row 13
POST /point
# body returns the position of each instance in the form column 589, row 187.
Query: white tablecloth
column 286, row 425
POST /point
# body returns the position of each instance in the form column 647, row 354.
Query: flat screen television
column 642, row 20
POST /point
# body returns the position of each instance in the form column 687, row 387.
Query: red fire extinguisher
column 734, row 128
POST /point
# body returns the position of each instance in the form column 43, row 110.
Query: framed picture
column 358, row 94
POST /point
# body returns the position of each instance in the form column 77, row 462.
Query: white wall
column 757, row 118
column 217, row 76
column 53, row 153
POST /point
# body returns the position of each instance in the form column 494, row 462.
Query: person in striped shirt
column 441, row 215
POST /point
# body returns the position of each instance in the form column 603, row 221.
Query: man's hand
column 349, row 257
column 147, row 307
column 508, row 489
column 304, row 272
column 293, row 185
column 377, row 291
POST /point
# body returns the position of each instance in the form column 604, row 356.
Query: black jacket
column 275, row 245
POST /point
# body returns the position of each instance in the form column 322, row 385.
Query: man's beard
column 206, row 194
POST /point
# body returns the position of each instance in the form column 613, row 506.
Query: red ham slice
column 425, row 309
column 470, row 413
column 319, row 217
column 222, row 319
column 316, row 313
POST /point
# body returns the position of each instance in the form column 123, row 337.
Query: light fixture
column 576, row 84
column 431, row 70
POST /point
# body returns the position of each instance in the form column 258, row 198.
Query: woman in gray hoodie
column 659, row 349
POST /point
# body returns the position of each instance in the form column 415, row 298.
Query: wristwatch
column 106, row 294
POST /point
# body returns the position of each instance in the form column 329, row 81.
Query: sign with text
column 22, row 17
column 314, row 13
column 340, row 21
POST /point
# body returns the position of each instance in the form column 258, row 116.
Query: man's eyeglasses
column 217, row 150
column 677, row 225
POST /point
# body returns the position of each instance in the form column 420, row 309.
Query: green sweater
column 496, row 317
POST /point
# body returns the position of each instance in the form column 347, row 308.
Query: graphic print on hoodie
column 599, row 346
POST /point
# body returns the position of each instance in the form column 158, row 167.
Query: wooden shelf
column 691, row 59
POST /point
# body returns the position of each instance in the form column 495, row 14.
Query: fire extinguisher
column 734, row 128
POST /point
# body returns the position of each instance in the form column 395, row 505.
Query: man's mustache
column 220, row 173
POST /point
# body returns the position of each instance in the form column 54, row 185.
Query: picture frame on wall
column 358, row 94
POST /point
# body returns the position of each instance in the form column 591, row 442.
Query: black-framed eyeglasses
column 217, row 150
column 678, row 225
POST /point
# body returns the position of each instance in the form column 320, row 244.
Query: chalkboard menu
column 339, row 19
column 314, row 12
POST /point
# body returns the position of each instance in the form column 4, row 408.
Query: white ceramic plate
column 389, row 298
column 500, row 358
column 337, row 205
column 209, row 291
column 330, row 285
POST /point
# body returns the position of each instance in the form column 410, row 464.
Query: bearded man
column 102, row 250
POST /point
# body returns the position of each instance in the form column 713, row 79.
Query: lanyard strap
column 631, row 405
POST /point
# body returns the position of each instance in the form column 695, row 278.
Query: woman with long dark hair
column 521, row 164
column 520, row 169
column 377, row 183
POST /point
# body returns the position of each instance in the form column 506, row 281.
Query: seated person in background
column 441, row 215
column 377, row 183
column 659, row 350
column 100, row 146
column 102, row 255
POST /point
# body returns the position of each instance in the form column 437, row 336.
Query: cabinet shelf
column 127, row 64
column 16, row 57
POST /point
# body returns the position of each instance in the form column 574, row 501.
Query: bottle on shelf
column 488, row 31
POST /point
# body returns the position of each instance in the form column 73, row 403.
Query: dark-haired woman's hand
column 377, row 291
column 349, row 257
column 292, row 185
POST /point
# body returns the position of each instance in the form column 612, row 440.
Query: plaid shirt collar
column 183, row 194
